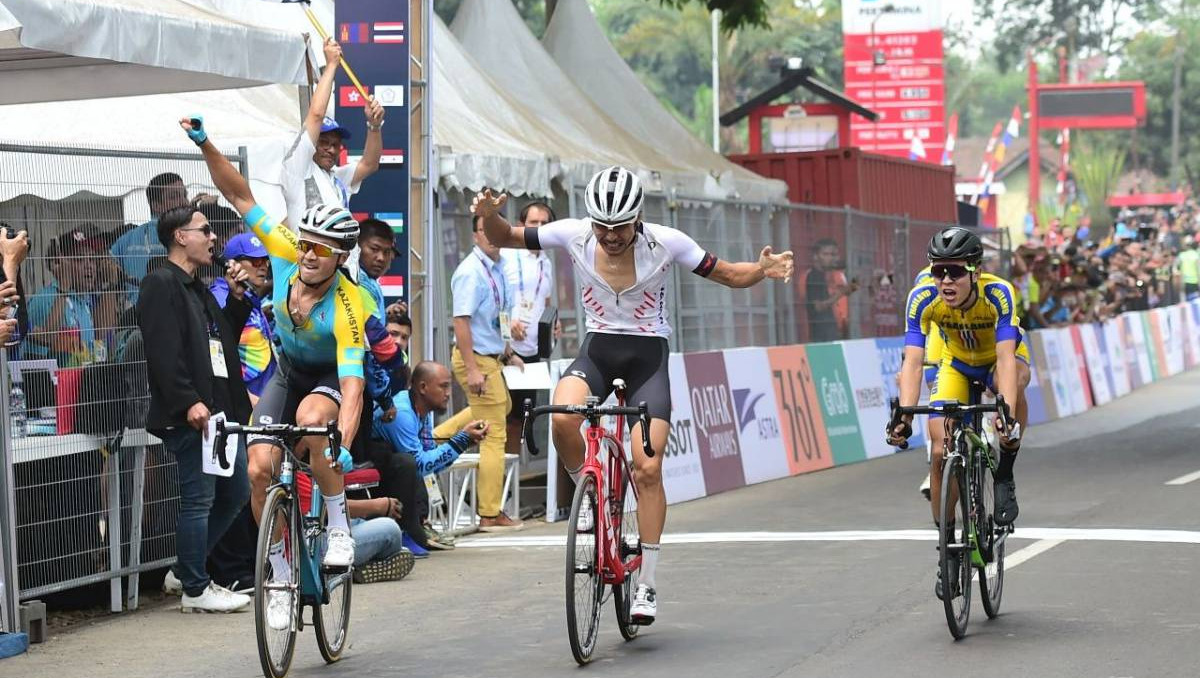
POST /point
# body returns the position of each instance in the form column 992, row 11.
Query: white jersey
column 641, row 309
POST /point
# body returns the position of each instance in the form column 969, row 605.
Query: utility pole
column 716, row 81
column 1175, row 110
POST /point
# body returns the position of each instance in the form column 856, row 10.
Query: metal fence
column 94, row 495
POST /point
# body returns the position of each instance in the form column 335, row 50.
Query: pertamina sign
column 908, row 88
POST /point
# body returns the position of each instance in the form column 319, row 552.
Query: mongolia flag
column 917, row 150
column 354, row 33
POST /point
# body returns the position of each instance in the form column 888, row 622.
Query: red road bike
column 609, row 551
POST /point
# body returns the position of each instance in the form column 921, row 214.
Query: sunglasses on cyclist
column 320, row 249
column 955, row 271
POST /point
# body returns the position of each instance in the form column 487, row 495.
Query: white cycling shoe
column 339, row 549
column 279, row 609
column 645, row 606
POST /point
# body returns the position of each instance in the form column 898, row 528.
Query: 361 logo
column 801, row 427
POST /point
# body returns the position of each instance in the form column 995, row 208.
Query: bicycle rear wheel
column 991, row 575
column 331, row 619
column 955, row 572
column 276, row 647
column 630, row 547
column 584, row 585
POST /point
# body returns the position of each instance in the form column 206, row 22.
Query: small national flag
column 392, row 156
column 392, row 285
column 393, row 219
column 388, row 31
column 951, row 134
column 349, row 97
column 389, row 95
column 354, row 33
column 917, row 150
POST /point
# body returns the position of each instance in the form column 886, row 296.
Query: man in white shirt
column 311, row 174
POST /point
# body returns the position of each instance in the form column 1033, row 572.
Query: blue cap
column 245, row 245
column 330, row 125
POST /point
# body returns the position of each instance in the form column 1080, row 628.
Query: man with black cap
column 60, row 314
column 311, row 172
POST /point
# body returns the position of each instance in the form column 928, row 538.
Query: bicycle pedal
column 330, row 569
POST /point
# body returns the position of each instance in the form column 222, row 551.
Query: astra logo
column 746, row 403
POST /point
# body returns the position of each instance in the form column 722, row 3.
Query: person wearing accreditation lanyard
column 482, row 333
column 624, row 269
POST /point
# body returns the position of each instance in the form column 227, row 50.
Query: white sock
column 649, row 560
column 279, row 565
column 335, row 511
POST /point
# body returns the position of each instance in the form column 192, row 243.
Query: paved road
column 1110, row 589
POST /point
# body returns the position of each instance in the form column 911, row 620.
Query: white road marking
column 1014, row 559
column 1184, row 479
column 1042, row 534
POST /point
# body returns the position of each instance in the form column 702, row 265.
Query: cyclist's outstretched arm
column 499, row 232
column 750, row 273
column 225, row 176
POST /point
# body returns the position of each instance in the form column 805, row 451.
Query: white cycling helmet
column 614, row 196
column 330, row 221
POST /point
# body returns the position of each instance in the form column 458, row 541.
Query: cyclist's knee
column 648, row 474
column 259, row 470
column 565, row 427
column 311, row 417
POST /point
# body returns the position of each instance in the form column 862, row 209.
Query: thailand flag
column 354, row 33
column 917, row 150
column 388, row 31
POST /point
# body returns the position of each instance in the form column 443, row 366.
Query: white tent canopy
column 523, row 68
column 65, row 50
column 577, row 43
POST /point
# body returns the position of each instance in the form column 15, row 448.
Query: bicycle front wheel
column 331, row 619
column 276, row 646
column 991, row 575
column 955, row 571
column 629, row 545
column 584, row 584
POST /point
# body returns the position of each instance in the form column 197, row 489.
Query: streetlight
column 878, row 58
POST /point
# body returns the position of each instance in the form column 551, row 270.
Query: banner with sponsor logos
column 714, row 421
column 1047, row 354
column 803, row 425
column 1137, row 352
column 1152, row 321
column 1081, row 397
column 1096, row 362
column 834, row 393
column 749, row 375
column 683, row 475
column 890, row 351
column 1173, row 338
column 1034, row 394
column 1191, row 313
column 1114, row 346
column 868, row 394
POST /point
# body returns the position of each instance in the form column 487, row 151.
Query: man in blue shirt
column 60, row 314
column 136, row 247
column 412, row 430
column 481, row 336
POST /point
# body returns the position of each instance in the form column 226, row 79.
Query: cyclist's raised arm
column 689, row 253
column 225, row 176
column 499, row 232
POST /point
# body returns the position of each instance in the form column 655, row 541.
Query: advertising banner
column 1035, row 395
column 1077, row 374
column 890, row 352
column 714, row 421
column 1173, row 341
column 1191, row 313
column 750, row 383
column 869, row 395
column 1138, row 349
column 1055, row 375
column 799, row 410
column 837, row 403
column 1114, row 346
column 1096, row 361
column 683, row 474
column 1155, row 339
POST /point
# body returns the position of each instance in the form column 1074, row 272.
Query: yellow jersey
column 970, row 334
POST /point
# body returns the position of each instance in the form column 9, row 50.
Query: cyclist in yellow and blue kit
column 974, row 314
column 321, row 325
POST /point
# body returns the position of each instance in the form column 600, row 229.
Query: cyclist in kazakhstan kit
column 321, row 324
column 974, row 315
column 624, row 270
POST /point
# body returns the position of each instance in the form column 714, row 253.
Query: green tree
column 1089, row 26
column 1097, row 169
column 533, row 11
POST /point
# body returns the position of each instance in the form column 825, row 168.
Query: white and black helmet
column 614, row 196
column 330, row 221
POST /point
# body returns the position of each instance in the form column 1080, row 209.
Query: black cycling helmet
column 956, row 242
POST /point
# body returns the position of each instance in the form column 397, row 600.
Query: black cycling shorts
column 282, row 395
column 640, row 361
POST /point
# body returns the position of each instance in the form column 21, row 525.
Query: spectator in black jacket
column 194, row 372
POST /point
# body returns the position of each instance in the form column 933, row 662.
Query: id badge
column 217, row 353
column 505, row 326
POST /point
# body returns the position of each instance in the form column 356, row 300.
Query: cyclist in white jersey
column 624, row 271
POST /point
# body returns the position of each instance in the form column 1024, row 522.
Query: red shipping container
column 864, row 181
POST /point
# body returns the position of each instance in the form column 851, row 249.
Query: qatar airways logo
column 713, row 416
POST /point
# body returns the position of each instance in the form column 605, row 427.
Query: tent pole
column 716, row 80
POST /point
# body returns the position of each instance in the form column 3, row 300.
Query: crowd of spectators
column 1149, row 259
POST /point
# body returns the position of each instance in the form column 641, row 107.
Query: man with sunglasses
column 624, row 270
column 975, row 314
column 320, row 322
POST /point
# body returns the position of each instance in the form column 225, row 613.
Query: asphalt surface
column 1110, row 589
